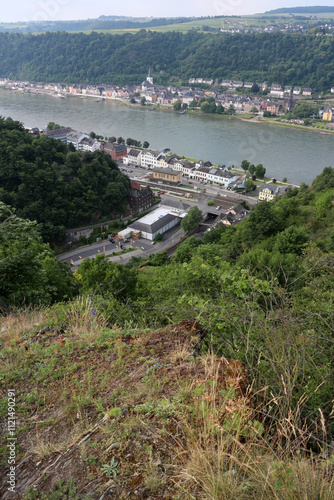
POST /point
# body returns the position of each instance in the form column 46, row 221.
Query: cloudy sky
column 33, row 10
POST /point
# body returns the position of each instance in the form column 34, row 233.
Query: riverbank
column 245, row 117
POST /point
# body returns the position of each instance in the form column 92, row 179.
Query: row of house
column 164, row 168
column 83, row 142
column 275, row 88
column 167, row 96
column 172, row 168
column 79, row 140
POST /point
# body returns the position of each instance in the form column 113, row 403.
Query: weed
column 61, row 490
column 111, row 468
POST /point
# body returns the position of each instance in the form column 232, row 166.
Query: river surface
column 298, row 155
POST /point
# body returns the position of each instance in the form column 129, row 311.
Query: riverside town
column 220, row 96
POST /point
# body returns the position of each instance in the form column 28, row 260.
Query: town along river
column 298, row 155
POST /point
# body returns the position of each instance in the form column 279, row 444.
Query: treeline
column 49, row 182
column 301, row 10
column 288, row 59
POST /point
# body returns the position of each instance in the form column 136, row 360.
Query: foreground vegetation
column 134, row 412
column 207, row 375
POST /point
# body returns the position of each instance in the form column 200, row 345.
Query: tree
column 112, row 139
column 262, row 222
column 291, row 240
column 254, row 110
column 177, row 105
column 53, row 126
column 249, row 185
column 255, row 88
column 120, row 140
column 159, row 259
column 146, row 144
column 106, row 278
column 193, row 104
column 260, row 171
column 143, row 101
column 92, row 135
column 29, row 272
column 251, row 169
column 245, row 165
column 190, row 221
column 132, row 100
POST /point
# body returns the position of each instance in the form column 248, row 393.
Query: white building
column 75, row 138
column 157, row 222
column 88, row 144
column 277, row 93
column 149, row 158
column 223, row 177
column 167, row 216
column 133, row 157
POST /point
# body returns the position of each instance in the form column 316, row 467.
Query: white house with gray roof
column 150, row 158
column 88, row 144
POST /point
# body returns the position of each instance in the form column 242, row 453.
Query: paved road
column 143, row 248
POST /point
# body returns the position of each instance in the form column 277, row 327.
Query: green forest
column 288, row 59
column 46, row 181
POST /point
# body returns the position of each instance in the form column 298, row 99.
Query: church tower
column 149, row 77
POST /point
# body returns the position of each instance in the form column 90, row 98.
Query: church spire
column 149, row 76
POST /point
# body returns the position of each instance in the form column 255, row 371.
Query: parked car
column 122, row 247
column 112, row 240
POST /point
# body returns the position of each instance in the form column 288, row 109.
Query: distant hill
column 317, row 9
column 102, row 23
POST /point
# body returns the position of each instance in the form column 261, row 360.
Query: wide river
column 298, row 155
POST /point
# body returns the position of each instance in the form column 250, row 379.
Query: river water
column 298, row 155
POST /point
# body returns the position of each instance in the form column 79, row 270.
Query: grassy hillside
column 135, row 413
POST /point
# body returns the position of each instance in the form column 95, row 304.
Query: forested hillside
column 51, row 183
column 293, row 59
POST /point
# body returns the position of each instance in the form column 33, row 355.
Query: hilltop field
column 294, row 19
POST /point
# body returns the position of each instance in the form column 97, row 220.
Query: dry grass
column 224, row 470
column 229, row 454
column 180, row 355
column 14, row 325
column 84, row 320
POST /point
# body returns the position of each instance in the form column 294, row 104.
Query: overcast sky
column 32, row 10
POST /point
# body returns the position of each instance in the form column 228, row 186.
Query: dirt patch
column 115, row 420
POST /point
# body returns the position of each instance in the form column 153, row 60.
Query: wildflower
column 92, row 312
